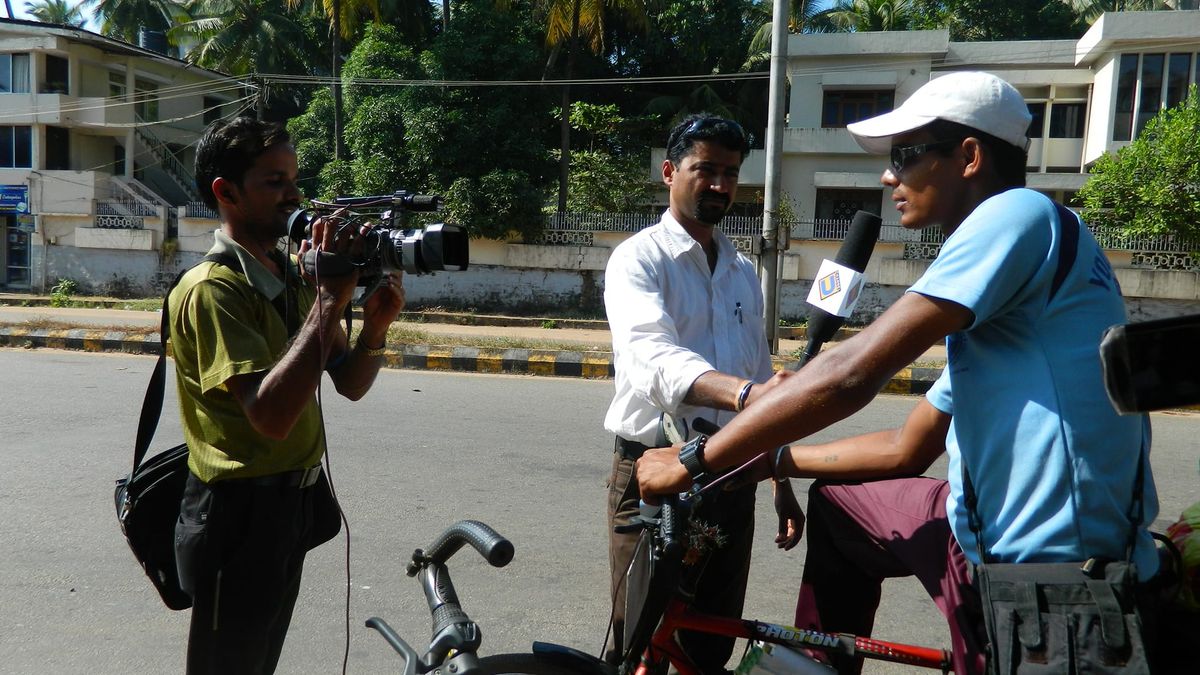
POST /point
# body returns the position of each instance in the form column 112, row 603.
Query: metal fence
column 1111, row 238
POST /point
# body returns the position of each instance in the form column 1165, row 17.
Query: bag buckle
column 309, row 476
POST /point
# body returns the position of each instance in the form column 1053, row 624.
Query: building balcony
column 820, row 141
column 64, row 110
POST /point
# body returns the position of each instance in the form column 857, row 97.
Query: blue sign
column 14, row 199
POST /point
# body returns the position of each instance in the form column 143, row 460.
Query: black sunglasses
column 708, row 123
column 903, row 154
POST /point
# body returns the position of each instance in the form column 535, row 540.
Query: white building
column 97, row 142
column 1088, row 97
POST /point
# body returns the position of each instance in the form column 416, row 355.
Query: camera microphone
column 852, row 257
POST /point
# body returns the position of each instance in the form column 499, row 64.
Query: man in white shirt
column 685, row 310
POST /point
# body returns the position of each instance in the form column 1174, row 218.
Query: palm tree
column 57, row 12
column 1090, row 10
column 570, row 25
column 241, row 36
column 123, row 19
column 870, row 15
column 803, row 18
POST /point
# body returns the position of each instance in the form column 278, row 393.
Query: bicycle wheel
column 523, row 664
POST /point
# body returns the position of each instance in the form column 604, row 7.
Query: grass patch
column 409, row 333
column 51, row 324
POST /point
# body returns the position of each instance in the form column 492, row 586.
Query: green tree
column 690, row 38
column 484, row 147
column 480, row 147
column 242, row 36
column 1151, row 186
column 123, row 19
column 571, row 26
column 607, row 176
column 995, row 20
column 56, row 11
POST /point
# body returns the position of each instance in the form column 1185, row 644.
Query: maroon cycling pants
column 862, row 533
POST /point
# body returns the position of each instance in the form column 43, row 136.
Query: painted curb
column 584, row 364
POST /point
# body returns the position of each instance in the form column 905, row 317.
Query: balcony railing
column 1110, row 238
column 199, row 210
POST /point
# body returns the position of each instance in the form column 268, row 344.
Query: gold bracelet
column 372, row 351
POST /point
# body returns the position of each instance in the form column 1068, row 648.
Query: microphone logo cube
column 836, row 288
column 829, row 285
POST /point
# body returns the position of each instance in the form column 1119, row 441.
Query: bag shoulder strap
column 1068, row 248
column 152, row 403
column 1134, row 514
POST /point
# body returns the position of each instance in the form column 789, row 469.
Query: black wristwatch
column 692, row 458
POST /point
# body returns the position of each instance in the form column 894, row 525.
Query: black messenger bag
column 148, row 499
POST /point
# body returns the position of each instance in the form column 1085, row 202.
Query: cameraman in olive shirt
column 247, row 397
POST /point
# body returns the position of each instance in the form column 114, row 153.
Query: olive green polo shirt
column 223, row 324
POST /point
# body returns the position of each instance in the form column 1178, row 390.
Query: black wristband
column 692, row 458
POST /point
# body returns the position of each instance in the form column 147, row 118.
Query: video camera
column 391, row 245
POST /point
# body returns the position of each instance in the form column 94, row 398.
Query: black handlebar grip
column 494, row 548
column 423, row 202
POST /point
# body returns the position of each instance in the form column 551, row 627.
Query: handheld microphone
column 855, row 253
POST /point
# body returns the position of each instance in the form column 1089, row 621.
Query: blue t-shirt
column 1052, row 463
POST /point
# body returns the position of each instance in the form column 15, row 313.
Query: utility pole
column 771, row 248
column 339, row 143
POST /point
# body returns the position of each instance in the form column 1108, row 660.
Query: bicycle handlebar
column 453, row 630
column 494, row 548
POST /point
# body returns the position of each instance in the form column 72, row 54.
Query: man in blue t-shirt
column 1021, row 294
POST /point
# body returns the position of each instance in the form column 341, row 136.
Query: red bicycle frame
column 680, row 616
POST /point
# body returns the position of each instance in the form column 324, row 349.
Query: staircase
column 166, row 160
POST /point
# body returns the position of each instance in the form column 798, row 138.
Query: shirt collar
column 680, row 242
column 261, row 279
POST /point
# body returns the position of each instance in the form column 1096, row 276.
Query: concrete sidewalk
column 581, row 348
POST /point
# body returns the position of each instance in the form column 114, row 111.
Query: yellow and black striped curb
column 587, row 364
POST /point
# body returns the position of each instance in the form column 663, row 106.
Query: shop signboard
column 14, row 199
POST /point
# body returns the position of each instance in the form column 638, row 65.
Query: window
column 1066, row 120
column 58, row 148
column 14, row 73
column 57, row 77
column 835, row 208
column 1037, row 126
column 1178, row 69
column 146, row 95
column 1150, row 95
column 1148, row 83
column 116, row 85
column 840, row 108
column 1126, row 83
column 16, row 147
column 212, row 109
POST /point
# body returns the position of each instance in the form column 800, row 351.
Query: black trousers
column 240, row 551
column 722, row 586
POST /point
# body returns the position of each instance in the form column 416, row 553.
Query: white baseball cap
column 978, row 100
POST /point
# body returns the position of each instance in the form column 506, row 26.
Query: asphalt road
column 524, row 454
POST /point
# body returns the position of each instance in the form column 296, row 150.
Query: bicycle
column 669, row 536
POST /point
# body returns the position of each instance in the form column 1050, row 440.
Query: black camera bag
column 147, row 503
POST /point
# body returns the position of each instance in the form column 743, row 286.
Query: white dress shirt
column 672, row 321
